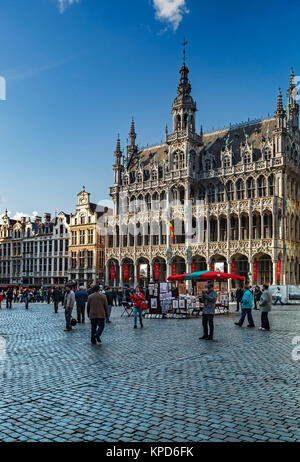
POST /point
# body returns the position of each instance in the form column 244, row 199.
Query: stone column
column 135, row 265
column 107, row 274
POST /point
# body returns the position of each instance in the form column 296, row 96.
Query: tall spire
column 279, row 102
column 132, row 134
column 292, row 80
column 118, row 152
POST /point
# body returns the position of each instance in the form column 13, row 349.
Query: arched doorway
column 159, row 269
column 218, row 263
column 113, row 272
column 240, row 266
column 178, row 265
column 198, row 263
column 262, row 269
column 128, row 272
column 143, row 271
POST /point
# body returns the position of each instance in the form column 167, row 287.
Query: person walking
column 265, row 304
column 97, row 310
column 90, row 289
column 1, row 299
column 110, row 299
column 120, row 296
column 239, row 295
column 81, row 298
column 26, row 298
column 209, row 300
column 257, row 295
column 278, row 297
column 9, row 298
column 56, row 297
column 69, row 300
column 247, row 305
column 137, row 298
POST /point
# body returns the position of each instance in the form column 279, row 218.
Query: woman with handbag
column 138, row 298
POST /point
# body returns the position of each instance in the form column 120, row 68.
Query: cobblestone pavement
column 156, row 384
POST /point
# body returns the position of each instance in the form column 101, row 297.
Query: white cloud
column 19, row 215
column 63, row 4
column 170, row 11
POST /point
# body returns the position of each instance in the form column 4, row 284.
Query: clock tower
column 83, row 197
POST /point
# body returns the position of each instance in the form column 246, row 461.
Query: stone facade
column 34, row 253
column 246, row 180
column 87, row 241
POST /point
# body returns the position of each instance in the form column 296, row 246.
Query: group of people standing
column 245, row 299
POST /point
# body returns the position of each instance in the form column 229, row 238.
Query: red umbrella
column 177, row 277
column 217, row 275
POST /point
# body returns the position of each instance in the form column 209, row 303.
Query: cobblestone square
column 154, row 384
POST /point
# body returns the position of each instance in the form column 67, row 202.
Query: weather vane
column 184, row 50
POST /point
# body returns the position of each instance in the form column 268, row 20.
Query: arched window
column 154, row 175
column 226, row 162
column 261, row 186
column 229, row 191
column 240, row 190
column 247, row 157
column 201, row 193
column 220, row 193
column 267, row 154
column 207, row 164
column 271, row 185
column 250, row 188
column 211, row 194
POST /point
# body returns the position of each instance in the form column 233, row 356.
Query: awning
column 212, row 275
column 205, row 276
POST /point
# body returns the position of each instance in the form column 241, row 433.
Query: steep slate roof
column 257, row 134
column 256, row 131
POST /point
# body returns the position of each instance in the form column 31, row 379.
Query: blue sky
column 77, row 71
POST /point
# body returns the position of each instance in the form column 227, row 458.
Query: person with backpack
column 247, row 306
column 137, row 298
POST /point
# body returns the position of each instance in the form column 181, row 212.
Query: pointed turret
column 292, row 106
column 132, row 134
column 279, row 113
column 118, row 152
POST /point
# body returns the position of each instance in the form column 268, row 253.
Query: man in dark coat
column 209, row 298
column 56, row 297
column 110, row 299
column 97, row 311
column 9, row 297
column 239, row 295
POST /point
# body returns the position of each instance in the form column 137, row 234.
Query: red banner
column 212, row 266
column 255, row 271
column 174, row 269
column 157, row 271
column 125, row 272
column 193, row 268
column 278, row 271
column 112, row 271
column 233, row 267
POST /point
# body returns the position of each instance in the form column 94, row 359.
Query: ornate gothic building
column 245, row 177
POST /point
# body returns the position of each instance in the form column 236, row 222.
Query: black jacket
column 56, row 296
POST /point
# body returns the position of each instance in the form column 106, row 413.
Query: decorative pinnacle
column 184, row 50
column 279, row 101
column 292, row 79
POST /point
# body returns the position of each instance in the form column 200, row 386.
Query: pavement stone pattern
column 157, row 384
